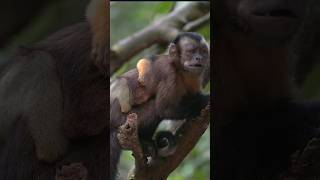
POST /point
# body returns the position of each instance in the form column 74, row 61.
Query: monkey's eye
column 191, row 51
column 204, row 51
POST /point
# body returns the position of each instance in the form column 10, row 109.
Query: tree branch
column 161, row 31
column 187, row 137
column 197, row 23
column 305, row 164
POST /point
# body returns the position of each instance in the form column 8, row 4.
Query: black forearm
column 192, row 105
column 189, row 107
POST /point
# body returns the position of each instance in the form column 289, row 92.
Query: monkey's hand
column 165, row 143
column 143, row 67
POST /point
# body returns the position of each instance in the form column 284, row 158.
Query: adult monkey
column 54, row 103
column 257, row 123
column 171, row 89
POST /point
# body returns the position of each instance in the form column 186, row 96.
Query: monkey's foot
column 143, row 67
column 74, row 171
column 50, row 152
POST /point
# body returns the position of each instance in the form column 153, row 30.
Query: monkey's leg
column 42, row 105
column 119, row 89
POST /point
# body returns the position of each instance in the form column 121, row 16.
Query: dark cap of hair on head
column 192, row 35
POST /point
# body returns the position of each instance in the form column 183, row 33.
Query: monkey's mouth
column 196, row 65
column 274, row 23
column 193, row 66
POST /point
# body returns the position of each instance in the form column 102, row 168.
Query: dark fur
column 258, row 125
column 84, row 91
column 169, row 97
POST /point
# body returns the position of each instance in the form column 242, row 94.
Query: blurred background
column 127, row 18
column 26, row 22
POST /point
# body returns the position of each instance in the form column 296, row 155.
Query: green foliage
column 129, row 17
column 207, row 88
column 205, row 31
column 197, row 164
column 311, row 87
column 53, row 17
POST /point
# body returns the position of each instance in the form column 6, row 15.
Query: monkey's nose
column 198, row 58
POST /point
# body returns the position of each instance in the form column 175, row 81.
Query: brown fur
column 160, row 77
column 192, row 84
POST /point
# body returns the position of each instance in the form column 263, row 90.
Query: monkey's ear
column 173, row 51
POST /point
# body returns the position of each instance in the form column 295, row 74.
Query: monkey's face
column 194, row 55
column 263, row 21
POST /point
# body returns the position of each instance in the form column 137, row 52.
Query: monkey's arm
column 190, row 106
column 172, row 104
